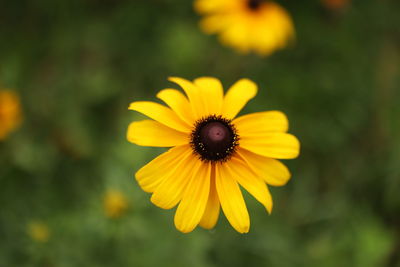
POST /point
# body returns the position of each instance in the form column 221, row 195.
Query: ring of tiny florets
column 254, row 4
column 208, row 145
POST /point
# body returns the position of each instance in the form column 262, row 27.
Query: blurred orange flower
column 335, row 4
column 10, row 113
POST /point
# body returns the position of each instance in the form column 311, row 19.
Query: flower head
column 212, row 152
column 10, row 113
column 38, row 231
column 247, row 25
column 115, row 204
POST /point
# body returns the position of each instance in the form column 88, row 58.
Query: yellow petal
column 171, row 189
column 274, row 29
column 161, row 114
column 212, row 93
column 277, row 20
column 194, row 201
column 215, row 23
column 250, row 181
column 152, row 133
column 206, row 6
column 272, row 171
column 193, row 93
column 261, row 122
column 237, row 97
column 272, row 145
column 211, row 213
column 154, row 172
column 236, row 35
column 232, row 201
column 178, row 103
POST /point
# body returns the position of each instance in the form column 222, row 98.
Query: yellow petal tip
column 159, row 204
column 297, row 147
column 183, row 230
column 269, row 209
column 173, row 78
column 251, row 85
column 133, row 105
column 244, row 230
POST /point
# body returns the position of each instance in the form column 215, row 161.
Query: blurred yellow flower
column 212, row 152
column 10, row 113
column 247, row 25
column 115, row 204
column 38, row 231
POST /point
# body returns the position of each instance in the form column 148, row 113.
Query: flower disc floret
column 214, row 138
column 254, row 4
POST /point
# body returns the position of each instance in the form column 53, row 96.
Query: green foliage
column 78, row 64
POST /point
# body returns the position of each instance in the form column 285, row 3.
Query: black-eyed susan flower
column 10, row 113
column 212, row 152
column 115, row 204
column 38, row 231
column 247, row 25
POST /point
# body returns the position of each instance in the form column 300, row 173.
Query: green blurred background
column 77, row 64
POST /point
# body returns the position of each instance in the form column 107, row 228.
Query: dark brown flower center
column 254, row 4
column 214, row 138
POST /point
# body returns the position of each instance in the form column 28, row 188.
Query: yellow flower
column 212, row 152
column 247, row 25
column 38, row 231
column 115, row 204
column 10, row 113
